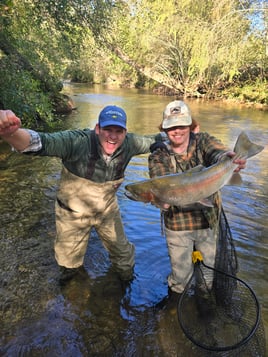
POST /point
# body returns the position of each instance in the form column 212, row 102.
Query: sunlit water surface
column 93, row 315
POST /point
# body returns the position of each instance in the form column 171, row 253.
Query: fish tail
column 244, row 148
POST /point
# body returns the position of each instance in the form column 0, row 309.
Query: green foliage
column 77, row 74
column 20, row 92
column 191, row 47
column 195, row 45
column 249, row 93
column 36, row 48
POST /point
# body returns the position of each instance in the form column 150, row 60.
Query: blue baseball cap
column 113, row 115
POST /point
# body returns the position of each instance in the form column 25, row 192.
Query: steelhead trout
column 195, row 185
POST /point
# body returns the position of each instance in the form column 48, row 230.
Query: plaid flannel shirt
column 203, row 150
column 35, row 142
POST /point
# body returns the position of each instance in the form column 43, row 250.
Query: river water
column 93, row 315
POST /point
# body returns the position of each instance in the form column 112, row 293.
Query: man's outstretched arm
column 11, row 131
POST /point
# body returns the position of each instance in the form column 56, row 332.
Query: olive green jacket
column 81, row 154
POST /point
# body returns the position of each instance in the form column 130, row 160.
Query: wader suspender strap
column 120, row 166
column 93, row 156
column 199, row 157
column 173, row 161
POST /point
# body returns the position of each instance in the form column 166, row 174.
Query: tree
column 32, row 61
column 189, row 46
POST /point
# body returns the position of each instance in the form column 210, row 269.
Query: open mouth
column 111, row 142
column 130, row 196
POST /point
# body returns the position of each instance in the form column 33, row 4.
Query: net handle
column 198, row 259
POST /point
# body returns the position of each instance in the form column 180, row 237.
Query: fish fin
column 245, row 148
column 162, row 206
column 206, row 202
column 159, row 204
column 235, row 180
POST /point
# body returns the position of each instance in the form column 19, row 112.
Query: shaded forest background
column 215, row 49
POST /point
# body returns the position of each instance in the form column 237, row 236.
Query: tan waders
column 81, row 205
column 180, row 247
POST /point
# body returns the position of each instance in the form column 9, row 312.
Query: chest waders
column 83, row 204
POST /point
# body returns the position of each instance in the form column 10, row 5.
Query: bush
column 252, row 93
column 22, row 94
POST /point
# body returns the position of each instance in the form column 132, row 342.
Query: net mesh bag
column 222, row 317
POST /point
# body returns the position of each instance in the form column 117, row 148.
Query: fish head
column 139, row 192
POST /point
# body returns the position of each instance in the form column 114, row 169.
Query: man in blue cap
column 94, row 162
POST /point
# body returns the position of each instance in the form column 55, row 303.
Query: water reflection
column 95, row 315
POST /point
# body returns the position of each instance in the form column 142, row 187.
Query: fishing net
column 222, row 319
